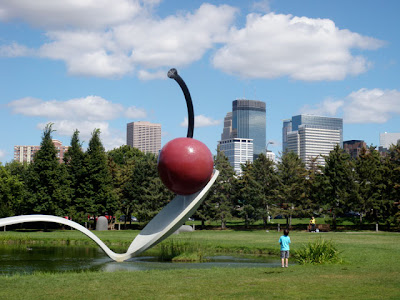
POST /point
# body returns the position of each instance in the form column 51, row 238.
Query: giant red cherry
column 185, row 165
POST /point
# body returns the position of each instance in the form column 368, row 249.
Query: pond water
column 26, row 259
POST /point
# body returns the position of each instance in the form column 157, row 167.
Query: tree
column 144, row 192
column 389, row 205
column 19, row 171
column 121, row 162
column 76, row 165
column 11, row 193
column 338, row 182
column 221, row 196
column 290, row 191
column 48, row 189
column 249, row 194
column 369, row 179
column 99, row 195
column 265, row 174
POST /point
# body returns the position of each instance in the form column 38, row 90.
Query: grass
column 371, row 270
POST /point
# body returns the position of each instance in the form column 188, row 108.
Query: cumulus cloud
column 263, row 6
column 276, row 45
column 71, row 13
column 15, row 50
column 90, row 108
column 372, row 106
column 118, row 37
column 201, row 121
column 146, row 75
column 362, row 106
column 123, row 36
column 111, row 138
column 329, row 107
column 84, row 114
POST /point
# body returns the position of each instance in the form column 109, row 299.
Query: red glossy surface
column 185, row 165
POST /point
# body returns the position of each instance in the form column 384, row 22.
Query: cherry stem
column 173, row 73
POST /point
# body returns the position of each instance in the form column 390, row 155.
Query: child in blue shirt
column 284, row 241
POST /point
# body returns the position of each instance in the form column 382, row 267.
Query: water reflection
column 28, row 259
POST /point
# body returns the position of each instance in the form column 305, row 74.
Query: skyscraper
column 144, row 135
column 313, row 136
column 249, row 122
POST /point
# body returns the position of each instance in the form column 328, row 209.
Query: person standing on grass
column 284, row 241
column 312, row 224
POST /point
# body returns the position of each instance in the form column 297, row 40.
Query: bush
column 318, row 252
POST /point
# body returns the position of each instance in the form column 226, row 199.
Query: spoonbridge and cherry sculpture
column 185, row 166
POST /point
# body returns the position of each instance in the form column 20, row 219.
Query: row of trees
column 125, row 181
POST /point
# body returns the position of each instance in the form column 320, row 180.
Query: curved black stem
column 173, row 73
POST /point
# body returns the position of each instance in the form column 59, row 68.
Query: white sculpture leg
column 166, row 222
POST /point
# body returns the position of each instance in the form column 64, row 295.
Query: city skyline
column 107, row 68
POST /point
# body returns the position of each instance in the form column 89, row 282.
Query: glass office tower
column 249, row 122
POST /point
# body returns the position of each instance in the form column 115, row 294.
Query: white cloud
column 329, row 107
column 70, row 13
column 116, row 45
column 84, row 114
column 372, row 106
column 110, row 138
column 146, row 75
column 89, row 108
column 15, row 50
column 135, row 113
column 122, row 36
column 362, row 106
column 276, row 45
column 263, row 6
column 201, row 121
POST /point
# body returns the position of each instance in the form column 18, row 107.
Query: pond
column 27, row 259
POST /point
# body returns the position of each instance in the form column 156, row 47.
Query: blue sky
column 85, row 64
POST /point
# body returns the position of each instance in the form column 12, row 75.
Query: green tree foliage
column 265, row 174
column 48, row 189
column 313, row 182
column 249, row 194
column 76, row 165
column 291, row 189
column 389, row 209
column 220, row 199
column 11, row 193
column 338, row 186
column 371, row 184
column 144, row 191
column 100, row 197
column 20, row 172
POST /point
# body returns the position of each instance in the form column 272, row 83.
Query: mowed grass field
column 370, row 270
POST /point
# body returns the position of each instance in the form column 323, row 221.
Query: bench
column 324, row 227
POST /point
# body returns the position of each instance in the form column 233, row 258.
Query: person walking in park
column 284, row 241
column 312, row 224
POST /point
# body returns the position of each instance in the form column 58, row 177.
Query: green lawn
column 371, row 270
